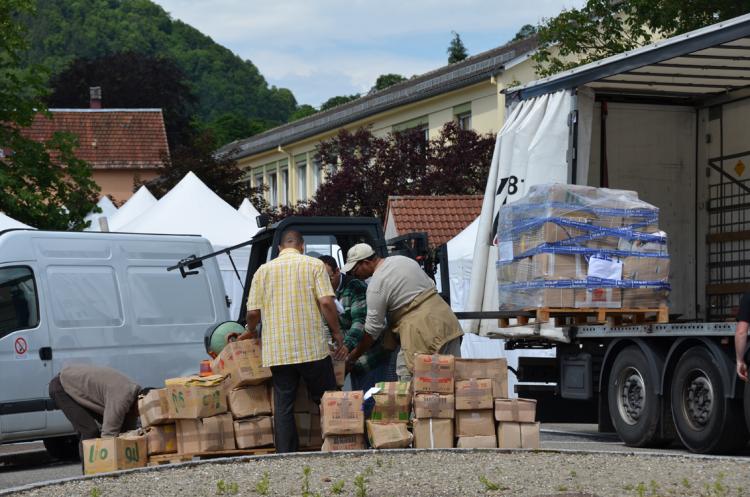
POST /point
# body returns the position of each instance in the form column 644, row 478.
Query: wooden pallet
column 198, row 456
column 586, row 315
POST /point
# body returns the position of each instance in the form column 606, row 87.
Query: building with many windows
column 468, row 91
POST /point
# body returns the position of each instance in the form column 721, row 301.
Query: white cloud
column 324, row 48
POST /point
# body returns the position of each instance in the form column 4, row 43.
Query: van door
column 25, row 354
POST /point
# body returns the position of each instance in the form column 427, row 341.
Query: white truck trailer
column 669, row 121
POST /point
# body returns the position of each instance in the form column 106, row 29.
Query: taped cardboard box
column 611, row 298
column 474, row 394
column 434, row 405
column 254, row 400
column 518, row 410
column 102, row 455
column 161, row 439
column 644, row 298
column 334, row 443
column 188, row 436
column 341, row 413
column 388, row 435
column 517, row 435
column 433, row 373
column 242, row 361
column 558, row 267
column 645, row 268
column 217, row 433
column 153, row 408
column 253, row 432
column 483, row 442
column 433, row 433
column 475, row 423
column 392, row 402
column 554, row 297
column 196, row 397
column 494, row 369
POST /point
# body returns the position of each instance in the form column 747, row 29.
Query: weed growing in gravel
column 264, row 484
column 338, row 487
column 96, row 492
column 489, row 486
column 562, row 488
column 360, row 483
column 686, row 483
column 223, row 488
column 306, row 483
column 654, row 488
column 379, row 462
column 641, row 490
column 573, row 474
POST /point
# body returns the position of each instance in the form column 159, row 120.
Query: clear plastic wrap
column 579, row 246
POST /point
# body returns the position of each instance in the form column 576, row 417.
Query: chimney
column 95, row 93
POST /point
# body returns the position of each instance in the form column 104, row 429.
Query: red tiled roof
column 109, row 138
column 441, row 217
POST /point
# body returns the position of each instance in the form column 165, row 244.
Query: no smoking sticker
column 21, row 348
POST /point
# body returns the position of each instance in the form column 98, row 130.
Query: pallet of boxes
column 226, row 413
column 584, row 254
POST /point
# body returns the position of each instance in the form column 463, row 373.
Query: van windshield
column 18, row 300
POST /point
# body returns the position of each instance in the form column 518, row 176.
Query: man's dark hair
column 329, row 261
column 291, row 237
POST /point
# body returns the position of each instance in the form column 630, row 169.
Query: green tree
column 42, row 184
column 303, row 110
column 235, row 126
column 602, row 28
column 456, row 50
column 526, row 31
column 386, row 80
column 336, row 101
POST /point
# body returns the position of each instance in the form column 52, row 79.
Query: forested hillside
column 225, row 85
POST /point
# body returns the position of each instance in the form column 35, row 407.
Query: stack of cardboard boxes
column 387, row 426
column 568, row 246
column 342, row 421
column 516, row 427
column 161, row 432
column 307, row 417
column 478, row 382
column 434, row 401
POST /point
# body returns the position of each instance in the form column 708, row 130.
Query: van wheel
column 62, row 448
column 634, row 407
column 706, row 420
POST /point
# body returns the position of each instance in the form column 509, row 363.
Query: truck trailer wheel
column 706, row 420
column 62, row 448
column 633, row 405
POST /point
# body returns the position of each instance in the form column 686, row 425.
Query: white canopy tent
column 247, row 210
column 140, row 202
column 8, row 223
column 108, row 210
column 192, row 208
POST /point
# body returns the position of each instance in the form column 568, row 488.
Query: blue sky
column 322, row 48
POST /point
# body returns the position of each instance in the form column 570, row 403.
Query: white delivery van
column 99, row 298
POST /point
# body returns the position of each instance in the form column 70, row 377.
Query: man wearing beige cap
column 401, row 293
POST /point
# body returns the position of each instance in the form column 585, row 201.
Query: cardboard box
column 333, row 443
column 217, row 433
column 102, row 455
column 254, row 400
column 558, row 267
column 304, row 425
column 434, row 405
column 494, row 369
column 433, row 373
column 253, row 432
column 517, row 435
column 193, row 397
column 161, row 439
column 474, row 394
column 643, row 298
column 393, row 402
column 341, row 413
column 554, row 297
column 475, row 423
column 433, row 433
column 518, row 410
column 153, row 408
column 188, row 435
column 339, row 370
column 485, row 442
column 388, row 435
column 610, row 298
column 645, row 268
column 243, row 362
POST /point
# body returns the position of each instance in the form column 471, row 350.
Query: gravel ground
column 430, row 473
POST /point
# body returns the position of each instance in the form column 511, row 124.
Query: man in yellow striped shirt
column 290, row 293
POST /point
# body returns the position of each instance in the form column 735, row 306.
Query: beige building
column 468, row 91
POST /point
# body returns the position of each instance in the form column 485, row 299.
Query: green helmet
column 226, row 332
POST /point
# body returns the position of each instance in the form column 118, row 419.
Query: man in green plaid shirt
column 351, row 294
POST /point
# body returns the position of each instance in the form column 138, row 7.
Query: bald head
column 292, row 239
